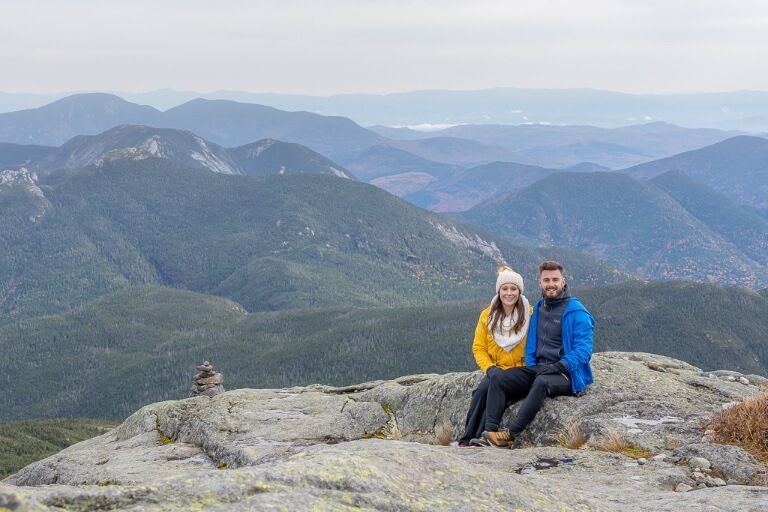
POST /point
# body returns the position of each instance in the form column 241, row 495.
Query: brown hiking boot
column 500, row 439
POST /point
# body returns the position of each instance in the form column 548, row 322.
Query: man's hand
column 551, row 369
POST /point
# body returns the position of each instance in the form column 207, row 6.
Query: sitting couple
column 527, row 353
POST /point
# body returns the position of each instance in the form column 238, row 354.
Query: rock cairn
column 207, row 382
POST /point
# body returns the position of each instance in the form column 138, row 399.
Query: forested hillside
column 141, row 345
column 23, row 442
column 656, row 230
column 276, row 242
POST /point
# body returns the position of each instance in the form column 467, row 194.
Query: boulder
column 731, row 462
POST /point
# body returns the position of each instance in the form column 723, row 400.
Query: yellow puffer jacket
column 488, row 353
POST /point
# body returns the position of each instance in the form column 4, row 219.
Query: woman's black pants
column 475, row 423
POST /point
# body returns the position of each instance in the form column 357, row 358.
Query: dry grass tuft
column 745, row 424
column 612, row 441
column 572, row 435
column 636, row 452
column 443, row 434
column 615, row 442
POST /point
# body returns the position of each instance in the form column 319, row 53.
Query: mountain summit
column 61, row 120
column 133, row 142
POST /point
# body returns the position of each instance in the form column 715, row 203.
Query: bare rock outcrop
column 331, row 448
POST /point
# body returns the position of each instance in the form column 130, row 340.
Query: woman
column 499, row 344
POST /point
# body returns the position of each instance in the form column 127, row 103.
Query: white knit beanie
column 507, row 275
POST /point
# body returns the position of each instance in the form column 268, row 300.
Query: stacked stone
column 207, row 382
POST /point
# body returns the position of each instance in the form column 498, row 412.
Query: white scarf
column 510, row 341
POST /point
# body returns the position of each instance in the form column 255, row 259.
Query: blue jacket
column 578, row 327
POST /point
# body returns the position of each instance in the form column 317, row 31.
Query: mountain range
column 229, row 123
column 737, row 167
column 689, row 245
column 262, row 157
column 271, row 242
column 223, row 122
column 744, row 110
column 564, row 146
column 470, row 187
column 659, row 229
column 122, row 254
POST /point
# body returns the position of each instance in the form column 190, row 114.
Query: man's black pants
column 521, row 384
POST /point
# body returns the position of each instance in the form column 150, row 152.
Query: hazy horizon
column 139, row 92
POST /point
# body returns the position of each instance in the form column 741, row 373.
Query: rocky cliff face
column 372, row 447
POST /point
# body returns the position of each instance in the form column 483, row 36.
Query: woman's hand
column 492, row 370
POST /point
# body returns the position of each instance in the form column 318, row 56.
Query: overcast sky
column 327, row 47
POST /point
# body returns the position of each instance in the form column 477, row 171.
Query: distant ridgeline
column 86, row 363
column 689, row 203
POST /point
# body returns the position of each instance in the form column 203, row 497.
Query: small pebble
column 744, row 380
column 681, row 487
column 659, row 457
column 730, row 378
column 718, row 482
column 642, row 461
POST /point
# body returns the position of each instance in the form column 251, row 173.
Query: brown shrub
column 744, row 424
column 615, row 442
column 571, row 435
column 443, row 434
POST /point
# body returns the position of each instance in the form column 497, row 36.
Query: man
column 556, row 357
